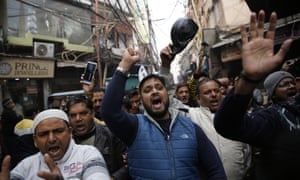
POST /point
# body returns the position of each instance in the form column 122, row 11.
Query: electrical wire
column 86, row 21
column 53, row 12
column 173, row 10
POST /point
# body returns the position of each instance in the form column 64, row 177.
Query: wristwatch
column 122, row 70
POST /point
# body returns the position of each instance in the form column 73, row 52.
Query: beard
column 157, row 114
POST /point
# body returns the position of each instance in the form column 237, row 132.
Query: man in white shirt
column 235, row 155
column 59, row 157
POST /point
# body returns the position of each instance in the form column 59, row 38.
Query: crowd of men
column 208, row 129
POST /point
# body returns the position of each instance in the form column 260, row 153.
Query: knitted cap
column 273, row 79
column 49, row 113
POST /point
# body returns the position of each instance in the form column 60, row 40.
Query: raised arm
column 258, row 60
column 120, row 123
column 166, row 61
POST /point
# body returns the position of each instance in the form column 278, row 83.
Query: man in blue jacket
column 162, row 144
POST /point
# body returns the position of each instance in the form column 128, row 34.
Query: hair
column 151, row 76
column 30, row 112
column 205, row 80
column 180, row 85
column 99, row 89
column 132, row 92
column 128, row 95
column 6, row 102
column 80, row 99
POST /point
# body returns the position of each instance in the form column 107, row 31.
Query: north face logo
column 184, row 136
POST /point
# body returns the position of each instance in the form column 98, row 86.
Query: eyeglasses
column 284, row 84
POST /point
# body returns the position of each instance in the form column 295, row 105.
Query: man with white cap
column 59, row 156
column 275, row 129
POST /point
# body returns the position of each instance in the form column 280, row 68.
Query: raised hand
column 258, row 48
column 87, row 88
column 54, row 173
column 166, row 56
column 129, row 58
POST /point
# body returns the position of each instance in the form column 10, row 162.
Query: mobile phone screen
column 89, row 71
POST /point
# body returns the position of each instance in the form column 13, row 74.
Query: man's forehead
column 98, row 96
column 208, row 86
column 209, row 82
column 183, row 88
column 152, row 81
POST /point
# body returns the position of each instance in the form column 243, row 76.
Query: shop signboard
column 26, row 68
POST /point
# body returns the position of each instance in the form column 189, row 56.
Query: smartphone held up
column 89, row 72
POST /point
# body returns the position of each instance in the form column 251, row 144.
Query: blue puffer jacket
column 171, row 156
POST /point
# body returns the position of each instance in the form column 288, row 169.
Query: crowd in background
column 213, row 128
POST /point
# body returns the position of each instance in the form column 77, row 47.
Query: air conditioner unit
column 42, row 49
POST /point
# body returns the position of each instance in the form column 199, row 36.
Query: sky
column 163, row 14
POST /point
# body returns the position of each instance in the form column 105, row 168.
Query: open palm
column 258, row 52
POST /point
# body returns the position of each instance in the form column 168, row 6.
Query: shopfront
column 25, row 80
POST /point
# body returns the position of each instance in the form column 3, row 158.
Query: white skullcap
column 49, row 113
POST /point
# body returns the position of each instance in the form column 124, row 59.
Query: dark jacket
column 9, row 119
column 275, row 130
column 24, row 148
column 112, row 149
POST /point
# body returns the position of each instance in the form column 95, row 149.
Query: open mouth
column 184, row 99
column 214, row 102
column 80, row 127
column 156, row 103
column 53, row 150
column 291, row 93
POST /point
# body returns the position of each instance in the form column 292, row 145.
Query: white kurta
column 79, row 162
column 235, row 155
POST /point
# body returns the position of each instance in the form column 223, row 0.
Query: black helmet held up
column 182, row 32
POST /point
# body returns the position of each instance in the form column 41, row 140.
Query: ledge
column 28, row 41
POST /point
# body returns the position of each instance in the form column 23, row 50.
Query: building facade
column 45, row 45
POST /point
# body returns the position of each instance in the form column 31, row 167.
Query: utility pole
column 152, row 51
column 149, row 47
column 97, row 45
